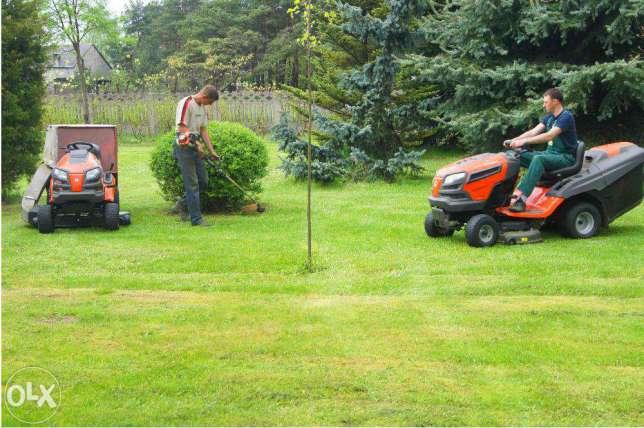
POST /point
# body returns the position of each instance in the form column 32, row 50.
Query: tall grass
column 145, row 115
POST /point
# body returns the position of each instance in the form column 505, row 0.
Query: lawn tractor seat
column 550, row 177
column 84, row 145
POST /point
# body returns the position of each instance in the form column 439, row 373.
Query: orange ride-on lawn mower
column 604, row 183
column 81, row 189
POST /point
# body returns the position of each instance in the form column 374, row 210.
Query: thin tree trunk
column 83, row 86
column 295, row 77
column 308, row 154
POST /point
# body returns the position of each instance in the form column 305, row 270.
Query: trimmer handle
column 194, row 137
column 214, row 162
column 185, row 138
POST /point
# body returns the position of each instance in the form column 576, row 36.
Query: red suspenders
column 184, row 109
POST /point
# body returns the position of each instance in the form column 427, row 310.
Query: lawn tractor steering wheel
column 84, row 145
column 515, row 152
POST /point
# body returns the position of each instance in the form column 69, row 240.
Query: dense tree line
column 181, row 44
column 389, row 76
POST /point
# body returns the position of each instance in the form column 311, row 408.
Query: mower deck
column 529, row 236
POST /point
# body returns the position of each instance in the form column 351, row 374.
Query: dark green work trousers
column 537, row 163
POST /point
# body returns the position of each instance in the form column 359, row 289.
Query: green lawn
column 160, row 323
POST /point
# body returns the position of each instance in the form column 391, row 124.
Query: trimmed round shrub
column 243, row 157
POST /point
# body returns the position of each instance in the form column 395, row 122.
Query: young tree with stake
column 308, row 40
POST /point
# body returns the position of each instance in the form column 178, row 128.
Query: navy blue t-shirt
column 566, row 142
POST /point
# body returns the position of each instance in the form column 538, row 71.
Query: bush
column 243, row 158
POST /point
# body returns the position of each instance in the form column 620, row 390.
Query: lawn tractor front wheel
column 45, row 219
column 111, row 216
column 435, row 231
column 482, row 231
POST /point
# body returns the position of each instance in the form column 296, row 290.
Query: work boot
column 178, row 208
column 204, row 223
column 518, row 205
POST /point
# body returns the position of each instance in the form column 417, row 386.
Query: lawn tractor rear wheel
column 45, row 219
column 581, row 220
column 482, row 231
column 434, row 231
column 111, row 216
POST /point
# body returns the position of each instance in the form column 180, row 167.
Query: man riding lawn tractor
column 191, row 118
column 561, row 135
column 576, row 190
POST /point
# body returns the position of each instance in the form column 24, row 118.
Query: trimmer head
column 252, row 208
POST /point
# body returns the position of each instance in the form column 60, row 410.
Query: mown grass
column 160, row 323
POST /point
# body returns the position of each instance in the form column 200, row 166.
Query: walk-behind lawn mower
column 604, row 183
column 82, row 187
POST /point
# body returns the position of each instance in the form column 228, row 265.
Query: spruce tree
column 497, row 57
column 365, row 120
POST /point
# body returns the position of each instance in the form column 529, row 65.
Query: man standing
column 558, row 129
column 191, row 117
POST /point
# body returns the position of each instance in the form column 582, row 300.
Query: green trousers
column 537, row 163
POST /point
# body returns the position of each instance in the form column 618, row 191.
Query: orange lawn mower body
column 82, row 188
column 474, row 193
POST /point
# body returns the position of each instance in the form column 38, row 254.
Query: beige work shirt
column 191, row 114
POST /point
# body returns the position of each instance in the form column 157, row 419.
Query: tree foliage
column 184, row 44
column 72, row 21
column 23, row 60
column 328, row 161
column 498, row 57
column 371, row 128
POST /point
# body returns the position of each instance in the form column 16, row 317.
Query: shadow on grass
column 622, row 229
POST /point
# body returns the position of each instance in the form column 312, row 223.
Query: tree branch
column 59, row 15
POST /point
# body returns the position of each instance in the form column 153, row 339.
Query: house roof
column 63, row 61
